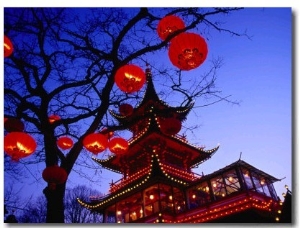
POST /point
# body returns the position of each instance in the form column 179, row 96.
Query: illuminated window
column 231, row 182
column 247, row 178
column 218, row 187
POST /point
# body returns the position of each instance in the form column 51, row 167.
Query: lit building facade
column 158, row 185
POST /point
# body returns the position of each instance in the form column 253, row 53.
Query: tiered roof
column 145, row 122
column 152, row 152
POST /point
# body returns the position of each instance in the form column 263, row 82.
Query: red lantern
column 187, row 51
column 118, row 145
column 53, row 118
column 130, row 78
column 19, row 145
column 169, row 25
column 54, row 175
column 170, row 126
column 125, row 109
column 65, row 142
column 8, row 47
column 95, row 143
column 13, row 125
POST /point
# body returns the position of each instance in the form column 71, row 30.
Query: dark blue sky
column 258, row 73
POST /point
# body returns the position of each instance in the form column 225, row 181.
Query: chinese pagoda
column 158, row 185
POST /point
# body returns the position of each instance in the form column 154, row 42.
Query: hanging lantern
column 13, row 125
column 54, row 175
column 8, row 47
column 19, row 145
column 187, row 51
column 53, row 118
column 64, row 142
column 170, row 126
column 95, row 143
column 169, row 25
column 130, row 78
column 125, row 109
column 118, row 145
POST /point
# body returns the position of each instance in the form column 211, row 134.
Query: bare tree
column 64, row 62
column 75, row 213
column 35, row 211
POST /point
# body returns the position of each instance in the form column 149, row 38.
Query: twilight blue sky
column 258, row 73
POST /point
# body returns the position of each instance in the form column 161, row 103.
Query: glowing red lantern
column 170, row 126
column 19, row 145
column 130, row 78
column 118, row 145
column 95, row 143
column 125, row 109
column 64, row 142
column 187, row 51
column 54, row 175
column 13, row 125
column 169, row 25
column 8, row 47
column 53, row 118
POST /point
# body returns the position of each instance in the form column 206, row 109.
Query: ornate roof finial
column 148, row 70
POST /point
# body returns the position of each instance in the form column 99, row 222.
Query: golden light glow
column 6, row 46
column 132, row 77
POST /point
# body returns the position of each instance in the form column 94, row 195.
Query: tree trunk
column 55, row 203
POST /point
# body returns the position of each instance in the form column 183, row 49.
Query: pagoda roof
column 156, row 172
column 138, row 147
column 151, row 99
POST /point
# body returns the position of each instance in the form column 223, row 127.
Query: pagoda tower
column 158, row 184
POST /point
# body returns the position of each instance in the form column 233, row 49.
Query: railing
column 125, row 181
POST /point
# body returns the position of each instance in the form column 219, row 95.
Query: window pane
column 218, row 187
column 247, row 178
column 231, row 182
column 199, row 195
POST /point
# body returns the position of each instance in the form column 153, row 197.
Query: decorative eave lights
column 130, row 179
column 140, row 134
column 117, row 116
column 114, row 196
column 155, row 156
column 217, row 212
column 107, row 160
column 179, row 172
